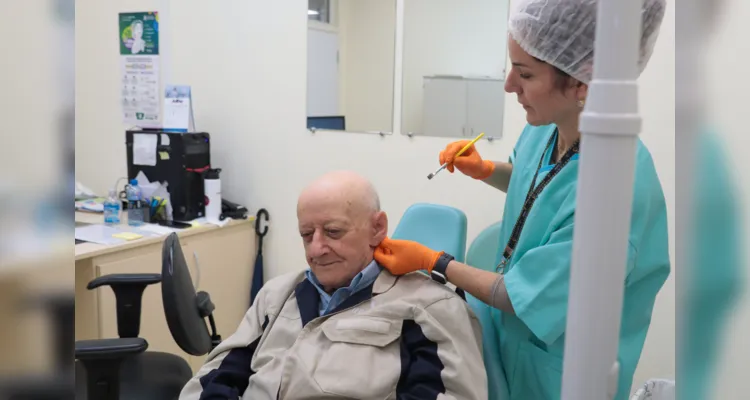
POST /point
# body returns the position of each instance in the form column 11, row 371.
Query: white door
column 322, row 73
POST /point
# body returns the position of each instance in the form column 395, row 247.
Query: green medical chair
column 482, row 254
column 439, row 227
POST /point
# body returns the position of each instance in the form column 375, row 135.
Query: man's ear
column 379, row 228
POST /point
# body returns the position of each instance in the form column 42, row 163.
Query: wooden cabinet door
column 225, row 262
column 154, row 327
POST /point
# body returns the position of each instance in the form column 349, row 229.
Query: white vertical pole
column 609, row 125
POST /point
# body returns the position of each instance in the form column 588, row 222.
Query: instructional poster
column 139, row 54
column 139, row 33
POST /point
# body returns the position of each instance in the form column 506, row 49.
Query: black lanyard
column 533, row 193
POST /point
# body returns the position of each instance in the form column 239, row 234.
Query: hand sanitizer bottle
column 112, row 209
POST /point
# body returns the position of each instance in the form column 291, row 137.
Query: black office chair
column 121, row 368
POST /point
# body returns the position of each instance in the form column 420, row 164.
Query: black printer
column 180, row 160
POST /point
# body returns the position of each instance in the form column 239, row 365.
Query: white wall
column 247, row 68
column 450, row 37
column 367, row 29
column 246, row 63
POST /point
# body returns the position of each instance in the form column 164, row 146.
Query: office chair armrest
column 124, row 279
column 102, row 359
column 128, row 289
column 109, row 349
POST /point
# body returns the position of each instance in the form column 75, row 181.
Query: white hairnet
column 561, row 32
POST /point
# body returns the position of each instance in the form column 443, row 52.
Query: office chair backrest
column 181, row 309
column 484, row 249
column 436, row 226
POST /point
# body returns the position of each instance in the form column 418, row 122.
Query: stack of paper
column 91, row 205
column 109, row 235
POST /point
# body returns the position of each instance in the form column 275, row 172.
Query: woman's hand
column 470, row 163
column 403, row 256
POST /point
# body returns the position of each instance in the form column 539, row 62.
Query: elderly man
column 346, row 327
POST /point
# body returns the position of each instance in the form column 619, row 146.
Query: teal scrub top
column 538, row 273
column 715, row 261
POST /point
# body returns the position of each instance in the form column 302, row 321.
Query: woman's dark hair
column 562, row 78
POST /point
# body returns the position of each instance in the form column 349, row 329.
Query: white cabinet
column 457, row 106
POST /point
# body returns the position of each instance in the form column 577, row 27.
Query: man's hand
column 403, row 256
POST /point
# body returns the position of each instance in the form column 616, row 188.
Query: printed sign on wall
column 139, row 33
column 139, row 58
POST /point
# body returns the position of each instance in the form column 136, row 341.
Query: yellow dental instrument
column 442, row 167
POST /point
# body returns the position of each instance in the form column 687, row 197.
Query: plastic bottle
column 112, row 209
column 135, row 208
column 212, row 193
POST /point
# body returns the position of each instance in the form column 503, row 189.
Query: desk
column 28, row 333
column 225, row 256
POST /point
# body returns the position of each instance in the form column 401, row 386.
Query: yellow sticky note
column 164, row 155
column 127, row 236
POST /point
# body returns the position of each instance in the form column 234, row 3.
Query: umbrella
column 258, row 273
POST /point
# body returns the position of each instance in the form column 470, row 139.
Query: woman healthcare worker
column 551, row 44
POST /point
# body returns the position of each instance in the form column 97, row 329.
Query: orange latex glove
column 403, row 256
column 470, row 163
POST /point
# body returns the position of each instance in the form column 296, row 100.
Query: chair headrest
column 185, row 322
column 437, row 226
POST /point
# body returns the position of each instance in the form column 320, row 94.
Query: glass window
column 319, row 10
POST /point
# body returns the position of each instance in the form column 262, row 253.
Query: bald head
column 341, row 224
column 352, row 190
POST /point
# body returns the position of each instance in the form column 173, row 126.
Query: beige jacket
column 401, row 338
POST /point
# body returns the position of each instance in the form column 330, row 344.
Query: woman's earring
column 581, row 103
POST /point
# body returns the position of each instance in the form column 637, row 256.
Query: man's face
column 339, row 238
